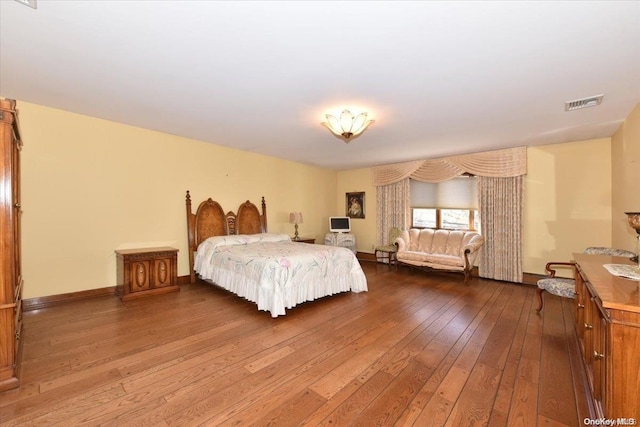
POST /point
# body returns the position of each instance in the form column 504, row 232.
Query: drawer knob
column 597, row 355
column 580, row 305
column 17, row 205
column 587, row 326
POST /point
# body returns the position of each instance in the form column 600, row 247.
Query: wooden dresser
column 608, row 328
column 11, row 277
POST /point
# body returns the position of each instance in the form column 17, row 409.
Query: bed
column 234, row 251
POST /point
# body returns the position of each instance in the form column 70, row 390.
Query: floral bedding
column 276, row 273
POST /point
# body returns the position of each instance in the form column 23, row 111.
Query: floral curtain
column 393, row 209
column 501, row 223
column 500, row 163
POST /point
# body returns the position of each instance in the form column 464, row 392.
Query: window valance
column 504, row 163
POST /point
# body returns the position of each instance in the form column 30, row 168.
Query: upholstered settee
column 439, row 249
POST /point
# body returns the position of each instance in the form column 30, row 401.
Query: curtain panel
column 509, row 162
column 393, row 209
column 501, row 223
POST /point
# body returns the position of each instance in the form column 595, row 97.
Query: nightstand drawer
column 304, row 240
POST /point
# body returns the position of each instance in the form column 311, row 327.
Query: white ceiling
column 439, row 78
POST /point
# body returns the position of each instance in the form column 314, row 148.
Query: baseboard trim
column 39, row 303
column 184, row 280
column 531, row 278
column 365, row 256
column 527, row 278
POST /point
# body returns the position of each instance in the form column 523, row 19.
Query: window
column 451, row 205
column 424, row 218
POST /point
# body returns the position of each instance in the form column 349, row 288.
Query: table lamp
column 295, row 218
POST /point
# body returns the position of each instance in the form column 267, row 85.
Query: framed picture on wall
column 355, row 205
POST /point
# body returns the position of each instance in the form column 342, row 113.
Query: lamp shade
column 295, row 218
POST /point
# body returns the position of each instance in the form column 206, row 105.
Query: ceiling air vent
column 577, row 104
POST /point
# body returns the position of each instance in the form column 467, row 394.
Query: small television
column 339, row 224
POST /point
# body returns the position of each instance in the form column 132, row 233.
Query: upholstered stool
column 559, row 286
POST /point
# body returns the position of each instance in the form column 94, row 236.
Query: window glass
column 450, row 204
column 424, row 218
column 455, row 219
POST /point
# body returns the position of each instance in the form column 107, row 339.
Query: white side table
column 345, row 240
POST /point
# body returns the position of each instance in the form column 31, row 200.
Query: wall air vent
column 577, row 104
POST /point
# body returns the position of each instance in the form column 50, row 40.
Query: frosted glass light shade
column 347, row 126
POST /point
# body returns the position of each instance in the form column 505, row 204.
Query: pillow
column 216, row 242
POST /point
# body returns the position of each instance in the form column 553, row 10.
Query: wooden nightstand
column 304, row 240
column 147, row 271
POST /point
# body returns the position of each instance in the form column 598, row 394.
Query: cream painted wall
column 567, row 203
column 364, row 229
column 91, row 186
column 626, row 180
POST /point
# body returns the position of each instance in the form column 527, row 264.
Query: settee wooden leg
column 539, row 292
column 467, row 273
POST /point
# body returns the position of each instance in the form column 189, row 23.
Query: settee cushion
column 558, row 286
column 452, row 260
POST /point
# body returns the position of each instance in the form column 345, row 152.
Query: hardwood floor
column 418, row 349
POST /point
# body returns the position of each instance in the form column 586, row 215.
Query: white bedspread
column 276, row 273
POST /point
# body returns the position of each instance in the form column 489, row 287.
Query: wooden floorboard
column 420, row 348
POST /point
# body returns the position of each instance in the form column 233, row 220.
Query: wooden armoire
column 10, row 257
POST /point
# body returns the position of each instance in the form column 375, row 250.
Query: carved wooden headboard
column 210, row 220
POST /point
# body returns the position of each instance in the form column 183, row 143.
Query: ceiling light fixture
column 347, row 126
